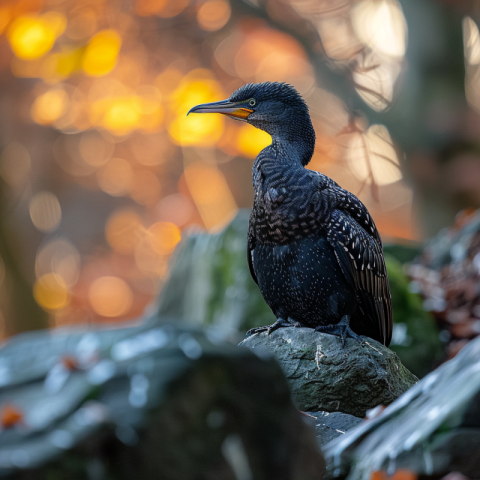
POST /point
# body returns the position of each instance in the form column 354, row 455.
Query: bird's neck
column 295, row 142
column 290, row 151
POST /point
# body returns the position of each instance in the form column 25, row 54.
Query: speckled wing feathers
column 359, row 252
column 250, row 248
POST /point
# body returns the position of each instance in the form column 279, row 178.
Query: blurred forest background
column 102, row 173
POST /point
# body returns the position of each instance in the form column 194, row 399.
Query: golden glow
column 214, row 14
column 58, row 66
column 123, row 230
column 381, row 25
column 251, row 140
column 110, row 296
column 49, row 106
column 121, row 111
column 33, row 36
column 122, row 115
column 101, row 54
column 60, row 257
column 164, row 237
column 471, row 41
column 373, row 155
column 115, row 177
column 211, row 194
column 198, row 130
column 45, row 211
column 51, row 292
column 15, row 164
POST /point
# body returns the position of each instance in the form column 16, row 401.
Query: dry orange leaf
column 10, row 416
column 69, row 362
column 398, row 475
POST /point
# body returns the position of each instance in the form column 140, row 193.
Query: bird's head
column 276, row 108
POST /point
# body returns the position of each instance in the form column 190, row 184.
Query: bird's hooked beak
column 236, row 110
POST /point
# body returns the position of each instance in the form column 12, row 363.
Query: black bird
column 313, row 248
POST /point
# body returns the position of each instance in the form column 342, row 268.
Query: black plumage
column 313, row 248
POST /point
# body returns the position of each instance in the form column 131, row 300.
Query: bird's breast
column 280, row 218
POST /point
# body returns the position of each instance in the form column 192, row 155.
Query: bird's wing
column 250, row 248
column 357, row 245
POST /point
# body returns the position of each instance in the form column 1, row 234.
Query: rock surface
column 325, row 376
column 329, row 426
column 151, row 400
column 432, row 430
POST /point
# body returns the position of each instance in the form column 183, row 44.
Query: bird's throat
column 294, row 149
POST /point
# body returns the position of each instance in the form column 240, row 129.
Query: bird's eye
column 252, row 102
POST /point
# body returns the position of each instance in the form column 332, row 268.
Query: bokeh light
column 49, row 106
column 32, row 36
column 164, row 237
column 162, row 8
column 60, row 257
column 259, row 53
column 45, row 211
column 124, row 230
column 372, row 157
column 211, row 194
column 110, row 296
column 94, row 149
column 382, row 26
column 175, row 209
column 200, row 130
column 213, row 14
column 101, row 53
column 115, row 177
column 471, row 41
column 251, row 140
column 51, row 292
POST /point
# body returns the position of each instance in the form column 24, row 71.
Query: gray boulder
column 432, row 430
column 329, row 426
column 153, row 400
column 324, row 375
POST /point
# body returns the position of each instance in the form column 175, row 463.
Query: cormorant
column 313, row 248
